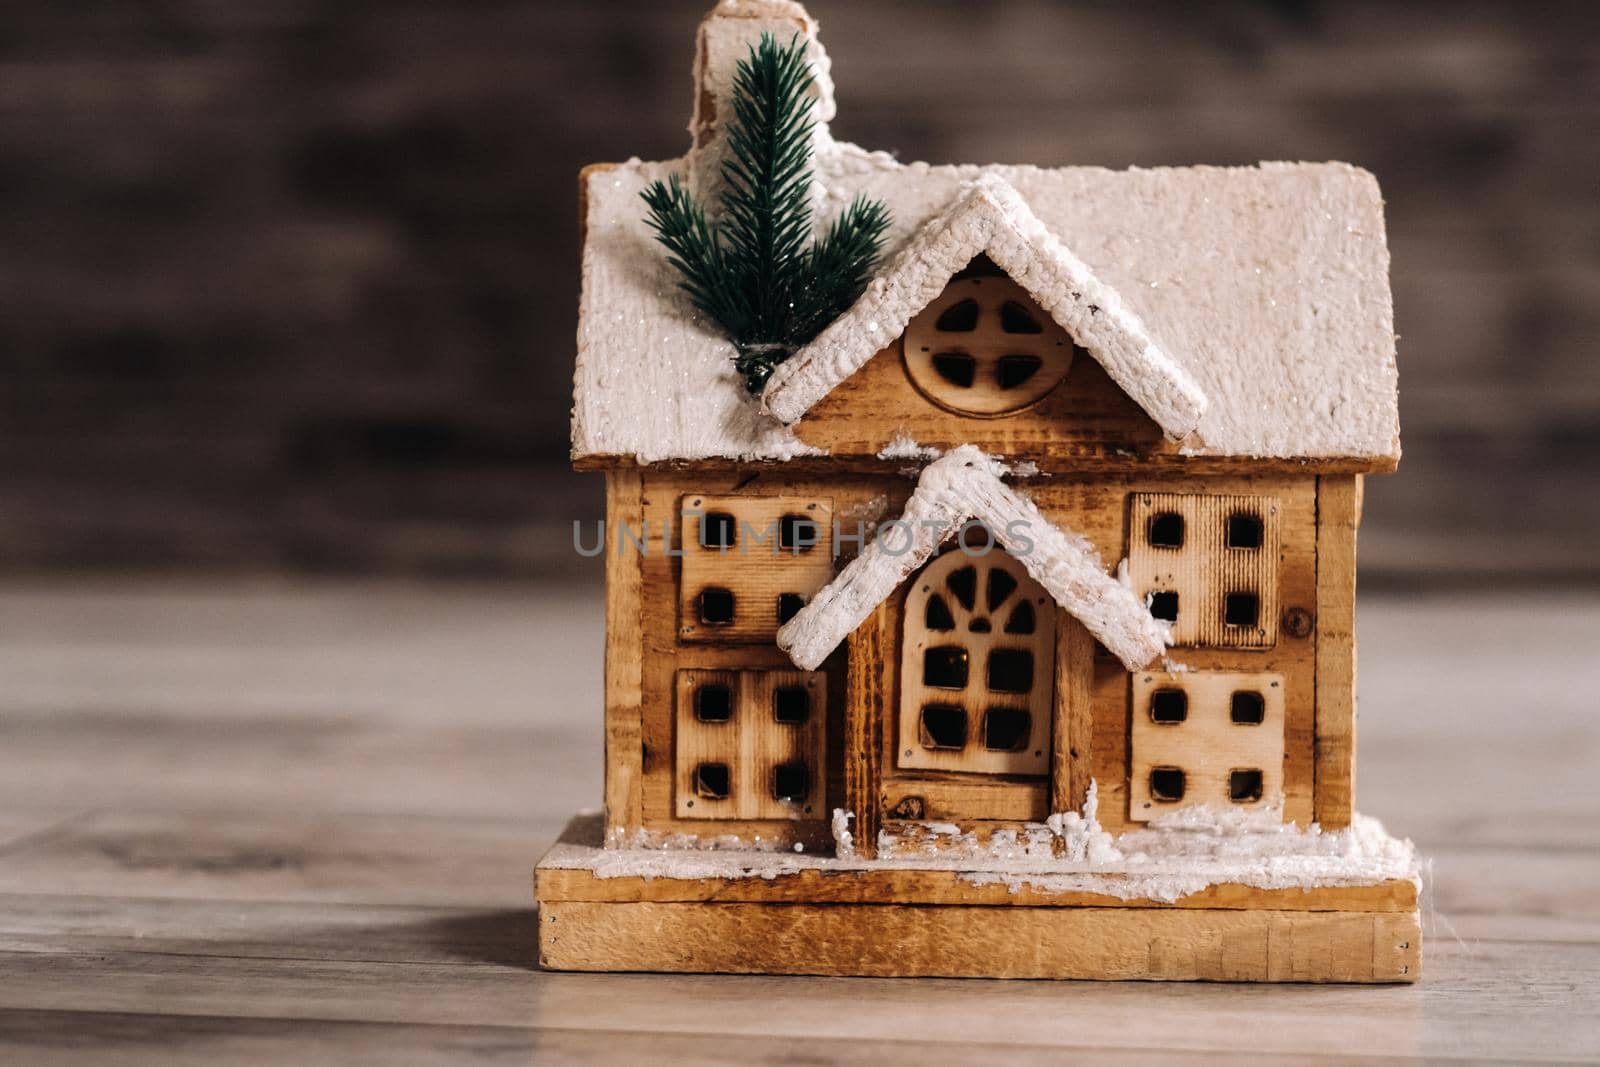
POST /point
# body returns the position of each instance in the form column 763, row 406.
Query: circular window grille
column 977, row 667
column 984, row 348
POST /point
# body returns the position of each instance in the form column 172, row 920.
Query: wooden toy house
column 1009, row 630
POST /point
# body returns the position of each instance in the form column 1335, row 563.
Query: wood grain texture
column 867, row 701
column 1204, row 568
column 1206, row 746
column 1338, row 516
column 624, row 667
column 757, row 491
column 752, row 744
column 297, row 857
column 1073, row 737
column 982, row 942
column 577, row 868
column 756, row 569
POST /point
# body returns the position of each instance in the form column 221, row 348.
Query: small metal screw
column 1298, row 622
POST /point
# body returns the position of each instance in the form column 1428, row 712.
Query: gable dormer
column 984, row 348
column 971, row 335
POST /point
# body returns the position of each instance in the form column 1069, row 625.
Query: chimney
column 725, row 37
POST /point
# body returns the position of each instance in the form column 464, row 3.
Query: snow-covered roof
column 1265, row 287
column 989, row 218
column 962, row 486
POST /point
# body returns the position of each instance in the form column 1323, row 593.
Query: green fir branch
column 752, row 270
column 840, row 265
column 692, row 247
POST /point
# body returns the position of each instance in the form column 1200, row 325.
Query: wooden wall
column 293, row 284
column 645, row 653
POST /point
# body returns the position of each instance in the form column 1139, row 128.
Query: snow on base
column 844, row 846
column 1176, row 856
column 656, row 841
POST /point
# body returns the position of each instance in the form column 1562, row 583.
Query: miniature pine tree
column 755, row 270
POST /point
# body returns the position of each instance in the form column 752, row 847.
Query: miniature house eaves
column 961, row 486
column 990, row 218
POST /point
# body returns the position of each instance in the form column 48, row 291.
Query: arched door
column 977, row 667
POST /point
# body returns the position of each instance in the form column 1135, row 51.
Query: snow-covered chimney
column 726, row 36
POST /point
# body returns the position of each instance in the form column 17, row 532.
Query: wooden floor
column 295, row 822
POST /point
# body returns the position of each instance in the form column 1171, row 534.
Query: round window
column 984, row 348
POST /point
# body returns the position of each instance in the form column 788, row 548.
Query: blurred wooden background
column 294, row 284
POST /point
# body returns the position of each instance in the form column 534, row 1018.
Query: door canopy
column 961, row 487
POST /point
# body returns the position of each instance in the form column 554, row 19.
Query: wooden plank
column 1201, row 740
column 355, row 932
column 754, row 567
column 982, row 942
column 1338, row 516
column 924, row 887
column 577, row 868
column 1204, row 567
column 865, row 706
column 1085, row 424
column 624, row 754
column 747, row 738
column 1072, row 739
column 133, row 1039
column 285, row 856
column 1522, row 1002
column 1121, row 465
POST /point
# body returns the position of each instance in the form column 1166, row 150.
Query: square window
column 791, row 704
column 1164, row 606
column 797, row 534
column 1166, row 784
column 1247, row 708
column 1241, row 609
column 1006, row 729
column 1244, row 530
column 790, row 782
column 713, row 703
column 1244, row 786
column 789, row 605
column 945, row 667
column 712, row 781
column 716, row 607
column 1168, row 706
column 1166, row 530
column 732, row 727
column 718, row 530
column 1010, row 670
column 944, row 726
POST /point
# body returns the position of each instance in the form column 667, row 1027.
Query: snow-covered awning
column 963, row 486
column 991, row 218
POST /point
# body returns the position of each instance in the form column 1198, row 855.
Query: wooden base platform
column 898, row 922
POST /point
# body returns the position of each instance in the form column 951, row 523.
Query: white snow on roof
column 1267, row 287
column 962, row 486
column 989, row 217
